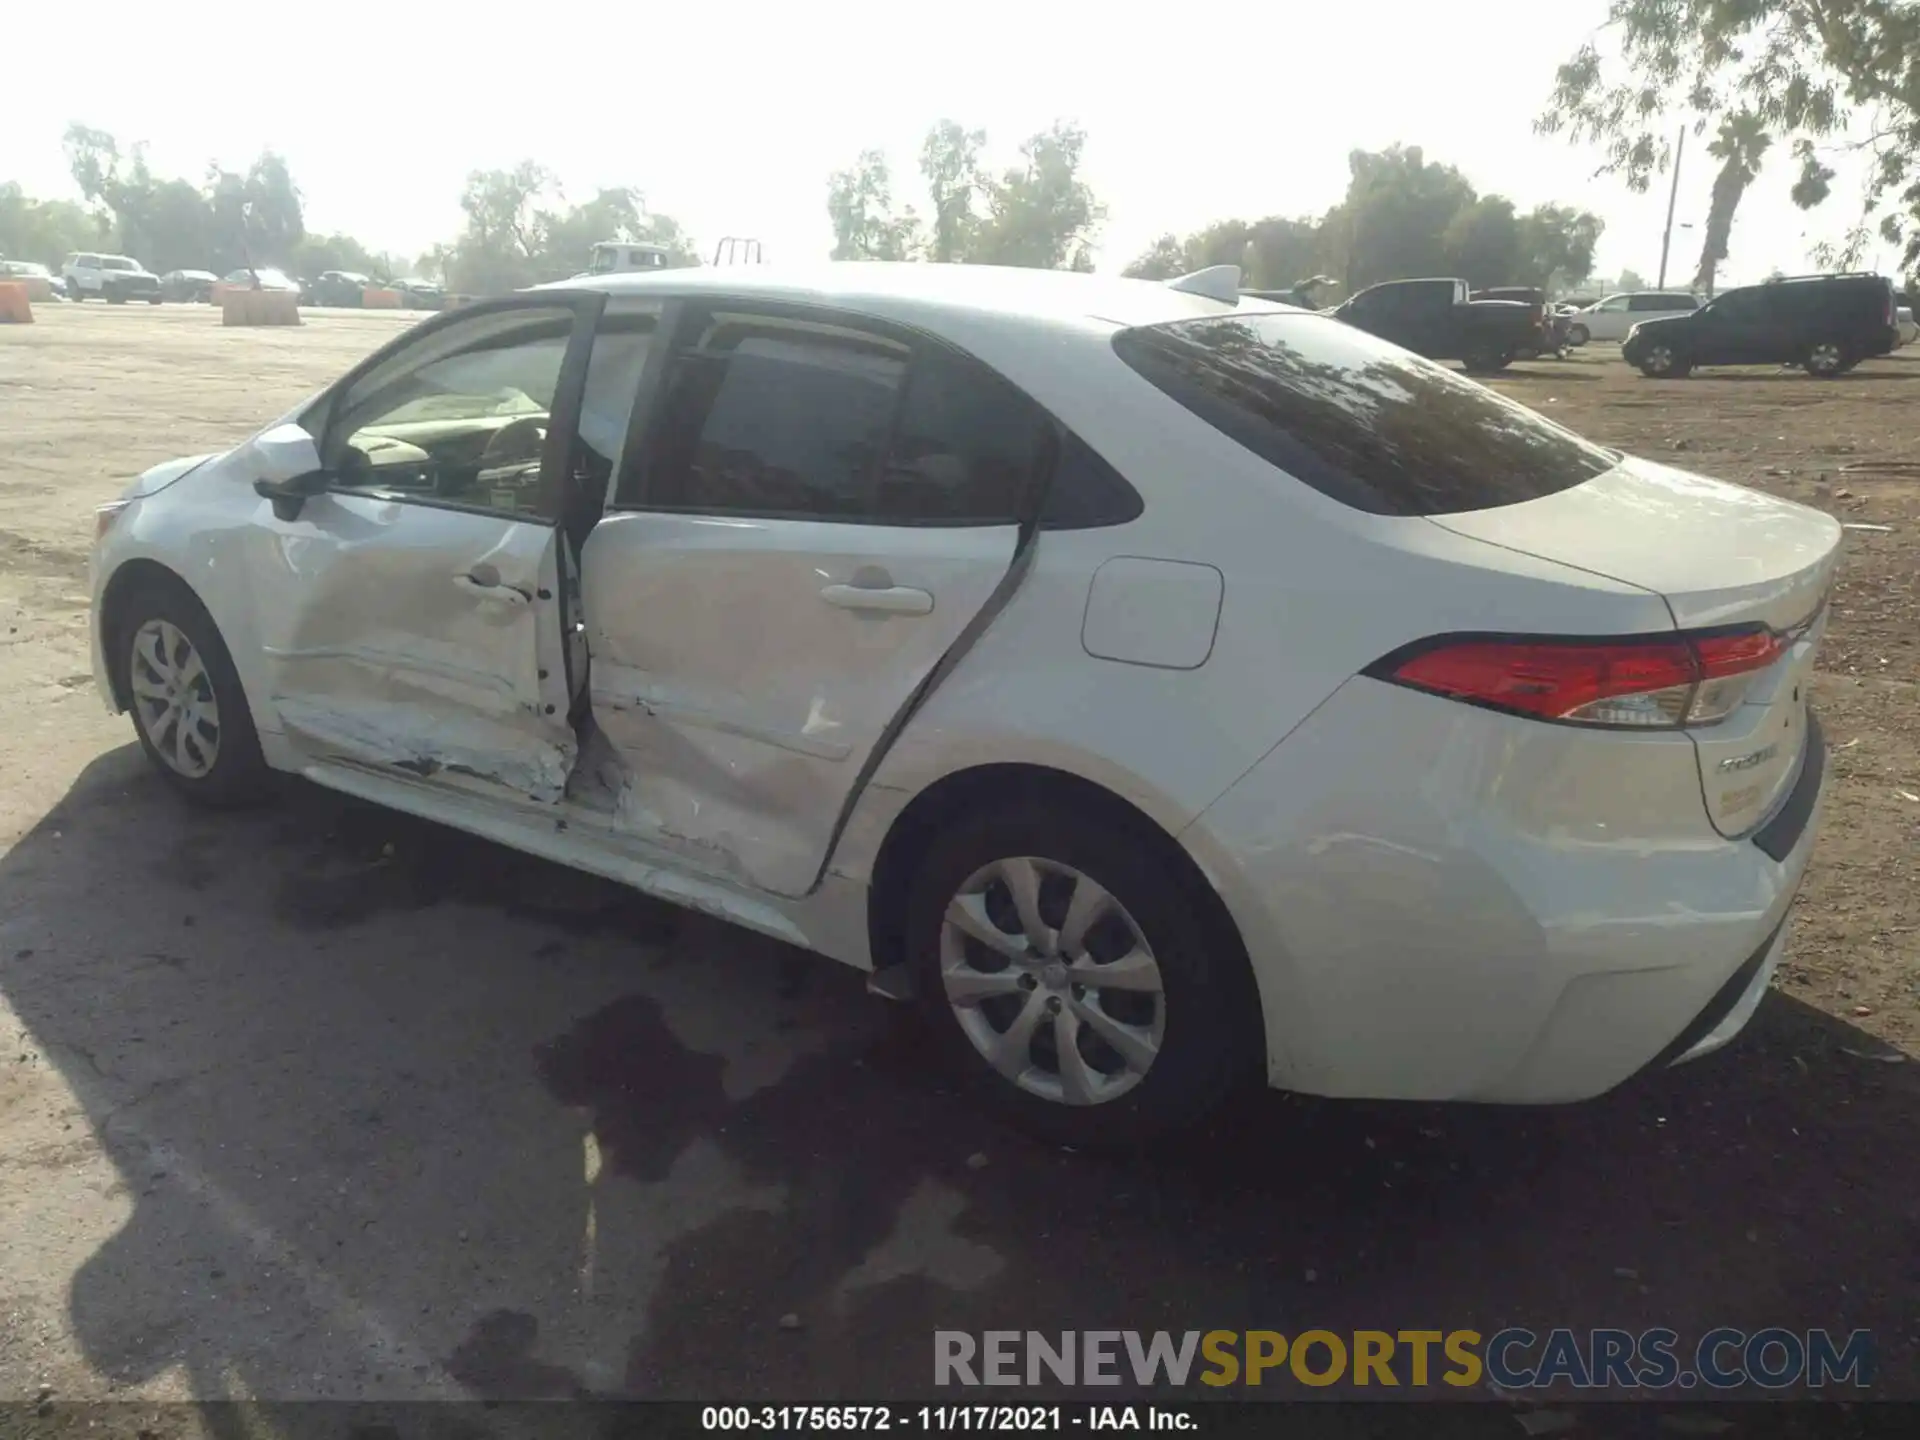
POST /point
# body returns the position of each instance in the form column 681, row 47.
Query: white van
column 1617, row 314
column 619, row 257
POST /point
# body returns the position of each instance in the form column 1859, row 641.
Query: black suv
column 1825, row 324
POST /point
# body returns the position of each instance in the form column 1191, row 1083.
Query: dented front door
column 413, row 615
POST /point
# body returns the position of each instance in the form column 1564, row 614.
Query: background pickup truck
column 1435, row 318
column 1550, row 329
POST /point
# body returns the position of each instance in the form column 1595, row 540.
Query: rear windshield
column 1374, row 426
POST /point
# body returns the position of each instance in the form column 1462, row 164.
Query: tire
column 1486, row 364
column 1663, row 362
column 75, row 293
column 1154, row 1063
column 154, row 299
column 209, row 753
column 1577, row 335
column 1827, row 359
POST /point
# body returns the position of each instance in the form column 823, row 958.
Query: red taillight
column 1685, row 680
column 1735, row 652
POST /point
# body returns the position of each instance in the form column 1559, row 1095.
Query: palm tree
column 1740, row 147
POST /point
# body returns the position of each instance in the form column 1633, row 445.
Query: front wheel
column 189, row 709
column 1663, row 362
column 1074, row 978
column 1577, row 335
column 153, row 299
column 1487, row 363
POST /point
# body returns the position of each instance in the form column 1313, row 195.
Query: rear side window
column 1358, row 419
column 791, row 424
column 780, row 418
column 966, row 448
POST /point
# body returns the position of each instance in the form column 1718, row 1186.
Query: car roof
column 925, row 291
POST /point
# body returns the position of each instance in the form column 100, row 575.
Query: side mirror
column 286, row 465
column 289, row 496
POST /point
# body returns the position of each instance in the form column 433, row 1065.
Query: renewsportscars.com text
column 1513, row 1359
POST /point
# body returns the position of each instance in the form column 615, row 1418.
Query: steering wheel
column 517, row 443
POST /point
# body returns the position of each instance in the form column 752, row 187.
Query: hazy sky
column 730, row 117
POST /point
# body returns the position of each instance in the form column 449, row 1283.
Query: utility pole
column 1666, row 238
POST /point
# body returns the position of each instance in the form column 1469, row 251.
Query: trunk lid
column 1720, row 555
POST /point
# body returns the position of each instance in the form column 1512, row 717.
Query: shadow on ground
column 400, row 1114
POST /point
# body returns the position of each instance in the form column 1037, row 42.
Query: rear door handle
column 482, row 588
column 885, row 600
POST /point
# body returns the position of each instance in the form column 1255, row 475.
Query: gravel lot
column 321, row 1102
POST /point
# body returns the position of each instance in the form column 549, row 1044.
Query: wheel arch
column 965, row 790
column 128, row 580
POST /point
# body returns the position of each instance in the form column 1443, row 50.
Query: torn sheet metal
column 428, row 742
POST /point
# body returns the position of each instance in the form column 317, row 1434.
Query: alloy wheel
column 1052, row 981
column 1659, row 360
column 1824, row 359
column 173, row 694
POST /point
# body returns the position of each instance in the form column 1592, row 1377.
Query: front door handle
column 483, row 588
column 885, row 600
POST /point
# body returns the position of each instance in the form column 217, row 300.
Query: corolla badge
column 1747, row 762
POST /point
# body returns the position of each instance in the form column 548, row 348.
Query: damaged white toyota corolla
column 1160, row 685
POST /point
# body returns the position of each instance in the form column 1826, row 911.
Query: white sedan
column 1160, row 686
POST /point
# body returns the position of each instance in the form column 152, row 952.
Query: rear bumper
column 1733, row 1005
column 1446, row 904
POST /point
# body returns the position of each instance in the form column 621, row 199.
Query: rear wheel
column 1488, row 361
column 1577, row 335
column 189, row 709
column 1826, row 360
column 1074, row 979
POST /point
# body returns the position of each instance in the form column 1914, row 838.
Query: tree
column 1283, row 252
column 1162, row 260
column 1739, row 147
column 1272, row 253
column 256, row 217
column 316, row 254
column 1041, row 213
column 1556, row 246
column 42, row 230
column 1482, row 242
column 505, row 234
column 1394, row 219
column 236, row 219
column 860, row 204
column 1630, row 280
column 1808, row 71
column 950, row 163
column 520, row 232
column 93, row 158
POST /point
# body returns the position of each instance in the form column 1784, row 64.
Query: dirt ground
column 319, row 1102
